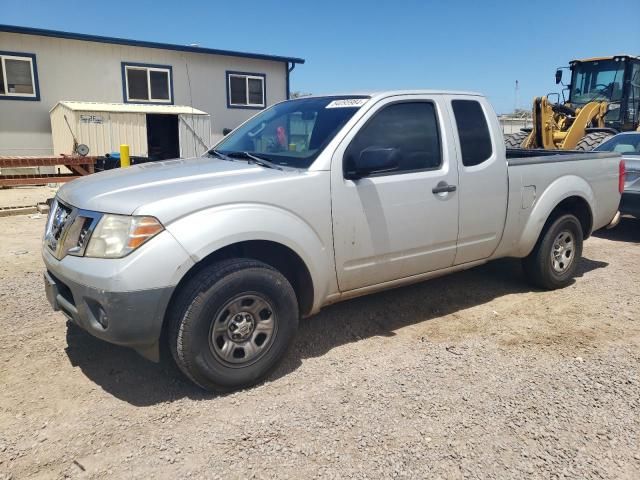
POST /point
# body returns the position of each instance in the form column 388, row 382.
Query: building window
column 246, row 90
column 18, row 76
column 147, row 83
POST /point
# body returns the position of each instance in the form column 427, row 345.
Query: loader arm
column 556, row 130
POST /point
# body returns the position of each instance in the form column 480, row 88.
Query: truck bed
column 522, row 156
column 535, row 189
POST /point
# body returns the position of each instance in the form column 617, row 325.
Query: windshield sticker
column 347, row 103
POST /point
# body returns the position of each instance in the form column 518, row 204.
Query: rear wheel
column 552, row 263
column 231, row 324
column 592, row 140
column 514, row 140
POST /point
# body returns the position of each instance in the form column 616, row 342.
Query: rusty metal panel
column 79, row 166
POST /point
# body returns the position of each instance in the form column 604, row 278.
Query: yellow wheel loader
column 604, row 99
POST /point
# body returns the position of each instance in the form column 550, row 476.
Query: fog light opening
column 103, row 319
column 99, row 319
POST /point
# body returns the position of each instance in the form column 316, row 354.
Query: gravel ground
column 28, row 196
column 473, row 375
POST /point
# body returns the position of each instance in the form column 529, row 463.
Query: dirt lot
column 468, row 376
column 28, row 196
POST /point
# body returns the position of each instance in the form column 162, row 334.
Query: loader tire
column 514, row 140
column 592, row 140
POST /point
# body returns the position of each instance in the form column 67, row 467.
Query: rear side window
column 410, row 127
column 473, row 131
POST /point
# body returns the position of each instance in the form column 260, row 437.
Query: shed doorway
column 163, row 139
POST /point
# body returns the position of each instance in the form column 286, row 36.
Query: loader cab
column 615, row 80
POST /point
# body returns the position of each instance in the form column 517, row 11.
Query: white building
column 512, row 123
column 39, row 68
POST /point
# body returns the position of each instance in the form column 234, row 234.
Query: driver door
column 396, row 224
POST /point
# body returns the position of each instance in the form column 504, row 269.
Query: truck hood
column 124, row 190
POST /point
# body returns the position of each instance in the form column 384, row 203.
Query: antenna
column 517, row 103
column 193, row 134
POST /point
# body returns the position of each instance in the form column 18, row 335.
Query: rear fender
column 561, row 189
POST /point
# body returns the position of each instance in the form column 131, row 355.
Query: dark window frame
column 401, row 172
column 486, row 122
column 34, row 71
column 262, row 76
column 147, row 66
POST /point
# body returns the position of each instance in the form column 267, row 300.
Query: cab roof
column 596, row 59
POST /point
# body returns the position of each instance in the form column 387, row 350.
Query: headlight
column 118, row 235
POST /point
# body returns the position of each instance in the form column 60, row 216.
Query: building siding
column 90, row 71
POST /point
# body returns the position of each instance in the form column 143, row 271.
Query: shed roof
column 128, row 108
column 142, row 43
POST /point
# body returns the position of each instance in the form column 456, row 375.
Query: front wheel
column 231, row 324
column 552, row 263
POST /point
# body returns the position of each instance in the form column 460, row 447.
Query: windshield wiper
column 220, row 155
column 263, row 162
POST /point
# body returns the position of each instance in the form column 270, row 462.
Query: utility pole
column 517, row 105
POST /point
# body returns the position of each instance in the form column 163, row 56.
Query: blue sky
column 363, row 45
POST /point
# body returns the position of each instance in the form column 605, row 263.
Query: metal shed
column 154, row 131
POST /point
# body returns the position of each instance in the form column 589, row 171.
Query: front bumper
column 132, row 319
column 630, row 204
column 121, row 301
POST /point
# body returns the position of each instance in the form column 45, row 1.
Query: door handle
column 443, row 187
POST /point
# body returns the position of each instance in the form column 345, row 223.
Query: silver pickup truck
column 310, row 202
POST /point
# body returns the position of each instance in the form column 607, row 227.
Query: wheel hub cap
column 563, row 252
column 243, row 330
column 241, row 326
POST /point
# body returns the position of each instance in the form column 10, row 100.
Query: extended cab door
column 399, row 223
column 483, row 178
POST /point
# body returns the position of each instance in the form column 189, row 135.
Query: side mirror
column 373, row 160
column 226, row 131
column 558, row 76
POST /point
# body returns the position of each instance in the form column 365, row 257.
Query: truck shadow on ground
column 627, row 231
column 124, row 374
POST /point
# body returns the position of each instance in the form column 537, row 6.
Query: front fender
column 207, row 231
column 559, row 190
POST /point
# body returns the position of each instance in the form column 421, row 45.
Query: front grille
column 57, row 226
column 69, row 229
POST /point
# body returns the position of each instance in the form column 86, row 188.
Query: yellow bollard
column 125, row 162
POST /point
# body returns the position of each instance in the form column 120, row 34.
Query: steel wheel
column 563, row 251
column 243, row 330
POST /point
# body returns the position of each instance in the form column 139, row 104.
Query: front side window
column 411, row 128
column 475, row 140
column 291, row 133
column 18, row 79
column 246, row 90
column 147, row 83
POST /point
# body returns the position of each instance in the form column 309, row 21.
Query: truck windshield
column 291, row 133
column 597, row 80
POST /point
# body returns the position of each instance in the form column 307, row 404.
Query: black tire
column 542, row 267
column 514, row 140
column 209, row 301
column 592, row 140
